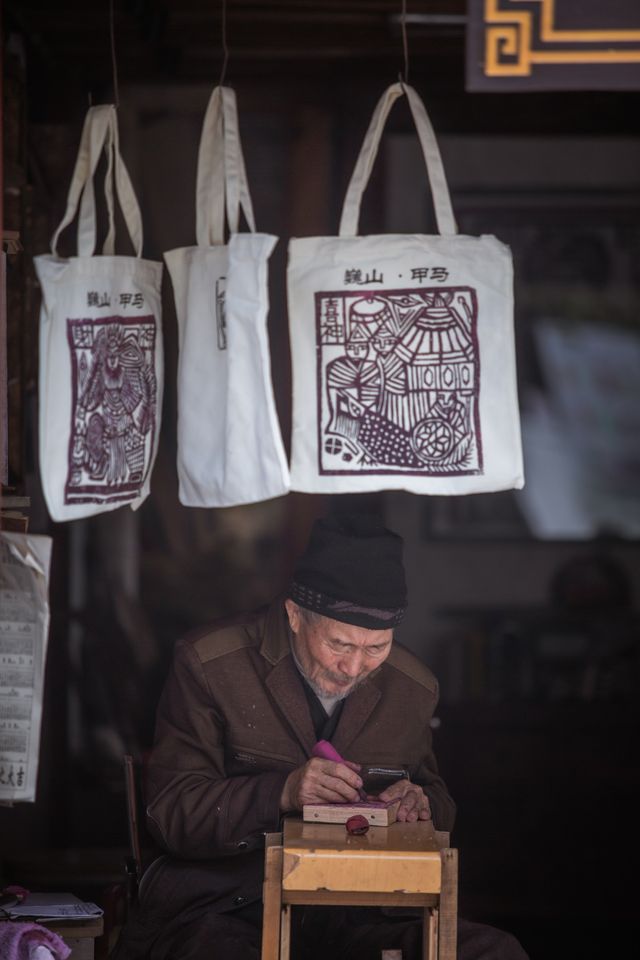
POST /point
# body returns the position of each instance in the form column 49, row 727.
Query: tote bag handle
column 431, row 152
column 222, row 177
column 100, row 132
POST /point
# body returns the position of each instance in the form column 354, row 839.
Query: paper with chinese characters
column 403, row 350
column 24, row 626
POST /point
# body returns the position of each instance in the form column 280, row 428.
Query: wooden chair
column 133, row 861
column 119, row 898
column 405, row 864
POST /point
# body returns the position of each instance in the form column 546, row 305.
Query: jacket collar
column 357, row 709
column 275, row 640
column 285, row 684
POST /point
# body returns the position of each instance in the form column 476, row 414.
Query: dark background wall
column 535, row 642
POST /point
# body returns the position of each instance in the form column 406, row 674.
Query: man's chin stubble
column 341, row 693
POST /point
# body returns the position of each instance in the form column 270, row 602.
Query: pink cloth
column 326, row 751
column 16, row 938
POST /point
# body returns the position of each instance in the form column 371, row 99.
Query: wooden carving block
column 377, row 812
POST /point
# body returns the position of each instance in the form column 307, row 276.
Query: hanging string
column 224, row 43
column 114, row 65
column 404, row 78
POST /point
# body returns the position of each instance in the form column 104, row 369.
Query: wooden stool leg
column 272, row 897
column 430, row 934
column 448, row 923
column 285, row 932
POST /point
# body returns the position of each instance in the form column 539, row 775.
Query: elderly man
column 237, row 722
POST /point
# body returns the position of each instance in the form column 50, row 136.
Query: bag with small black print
column 230, row 449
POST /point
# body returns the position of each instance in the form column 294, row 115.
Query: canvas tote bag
column 101, row 360
column 403, row 349
column 230, row 449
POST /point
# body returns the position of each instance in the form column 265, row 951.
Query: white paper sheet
column 24, row 627
column 53, row 906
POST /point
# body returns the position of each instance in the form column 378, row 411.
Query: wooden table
column 80, row 935
column 405, row 864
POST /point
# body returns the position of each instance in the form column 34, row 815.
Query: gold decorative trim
column 511, row 34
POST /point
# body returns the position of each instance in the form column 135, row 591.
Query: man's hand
column 414, row 805
column 321, row 781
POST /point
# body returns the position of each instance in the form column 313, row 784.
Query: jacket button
column 242, row 845
column 238, row 901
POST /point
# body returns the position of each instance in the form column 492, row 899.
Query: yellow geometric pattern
column 510, row 34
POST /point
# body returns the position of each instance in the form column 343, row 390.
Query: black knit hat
column 352, row 571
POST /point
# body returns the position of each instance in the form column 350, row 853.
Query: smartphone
column 375, row 779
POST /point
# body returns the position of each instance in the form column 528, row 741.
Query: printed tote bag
column 101, row 362
column 403, row 353
column 230, row 449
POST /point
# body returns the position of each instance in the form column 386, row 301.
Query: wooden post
column 430, row 934
column 285, row 932
column 272, row 897
column 448, row 933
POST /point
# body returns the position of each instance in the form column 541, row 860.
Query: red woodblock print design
column 113, row 413
column 398, row 382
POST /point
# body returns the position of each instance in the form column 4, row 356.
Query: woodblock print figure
column 113, row 416
column 398, row 382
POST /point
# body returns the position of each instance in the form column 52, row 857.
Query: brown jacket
column 233, row 722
